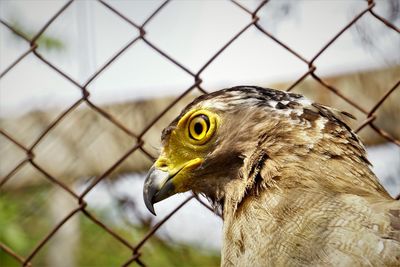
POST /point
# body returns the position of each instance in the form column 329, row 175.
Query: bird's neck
column 303, row 167
column 322, row 156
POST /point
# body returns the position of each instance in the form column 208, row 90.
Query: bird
column 289, row 177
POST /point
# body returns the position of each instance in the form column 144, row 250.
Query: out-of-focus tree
column 45, row 40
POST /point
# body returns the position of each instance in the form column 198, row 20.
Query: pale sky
column 190, row 32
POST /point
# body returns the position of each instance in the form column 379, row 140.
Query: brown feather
column 294, row 184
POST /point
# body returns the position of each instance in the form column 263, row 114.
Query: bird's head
column 229, row 139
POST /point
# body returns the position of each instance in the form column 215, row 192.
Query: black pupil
column 198, row 128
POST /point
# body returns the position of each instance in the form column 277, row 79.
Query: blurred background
column 86, row 88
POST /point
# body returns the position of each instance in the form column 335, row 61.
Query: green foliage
column 25, row 220
column 49, row 43
column 154, row 253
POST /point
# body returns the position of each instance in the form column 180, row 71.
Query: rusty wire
column 138, row 143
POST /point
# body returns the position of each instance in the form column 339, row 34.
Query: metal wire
column 138, row 143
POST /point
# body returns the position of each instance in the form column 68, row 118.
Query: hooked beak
column 162, row 182
column 157, row 186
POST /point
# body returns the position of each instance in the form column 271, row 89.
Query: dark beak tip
column 149, row 190
column 156, row 188
column 148, row 201
column 150, row 207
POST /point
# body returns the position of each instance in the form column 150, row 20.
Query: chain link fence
column 137, row 137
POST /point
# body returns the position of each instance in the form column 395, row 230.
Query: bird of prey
column 290, row 177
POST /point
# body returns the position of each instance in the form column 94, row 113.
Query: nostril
column 162, row 165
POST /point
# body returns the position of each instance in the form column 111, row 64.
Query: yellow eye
column 198, row 127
